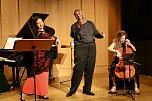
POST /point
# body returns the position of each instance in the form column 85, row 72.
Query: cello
column 122, row 69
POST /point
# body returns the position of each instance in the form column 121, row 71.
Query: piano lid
column 26, row 32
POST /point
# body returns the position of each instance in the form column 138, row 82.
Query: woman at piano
column 43, row 57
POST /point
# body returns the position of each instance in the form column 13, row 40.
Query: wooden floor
column 57, row 91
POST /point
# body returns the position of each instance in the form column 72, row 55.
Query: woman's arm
column 130, row 44
column 111, row 48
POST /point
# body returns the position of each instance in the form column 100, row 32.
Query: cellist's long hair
column 117, row 39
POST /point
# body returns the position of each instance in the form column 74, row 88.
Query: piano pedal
column 11, row 87
column 52, row 79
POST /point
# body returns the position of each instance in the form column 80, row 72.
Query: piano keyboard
column 6, row 60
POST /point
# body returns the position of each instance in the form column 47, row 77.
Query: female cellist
column 118, row 43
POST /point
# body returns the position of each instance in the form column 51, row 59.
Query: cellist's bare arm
column 111, row 47
column 130, row 44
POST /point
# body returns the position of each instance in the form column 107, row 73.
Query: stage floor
column 100, row 86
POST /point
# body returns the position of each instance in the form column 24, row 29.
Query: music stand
column 127, row 60
column 33, row 45
column 127, row 57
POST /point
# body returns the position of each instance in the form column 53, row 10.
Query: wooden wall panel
column 52, row 20
column 114, row 23
column 88, row 9
column 9, row 18
column 101, row 19
column 27, row 7
column 0, row 26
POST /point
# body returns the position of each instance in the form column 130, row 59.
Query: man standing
column 83, row 32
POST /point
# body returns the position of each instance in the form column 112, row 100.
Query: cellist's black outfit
column 84, row 55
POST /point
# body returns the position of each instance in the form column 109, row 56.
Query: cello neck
column 124, row 45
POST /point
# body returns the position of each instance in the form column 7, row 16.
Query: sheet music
column 10, row 42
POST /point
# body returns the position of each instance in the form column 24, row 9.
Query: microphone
column 76, row 31
column 72, row 43
column 77, row 35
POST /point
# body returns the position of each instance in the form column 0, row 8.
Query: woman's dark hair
column 34, row 25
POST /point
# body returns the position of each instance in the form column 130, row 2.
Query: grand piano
column 16, row 60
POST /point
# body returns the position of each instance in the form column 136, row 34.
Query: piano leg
column 2, row 67
column 17, row 77
column 13, row 77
